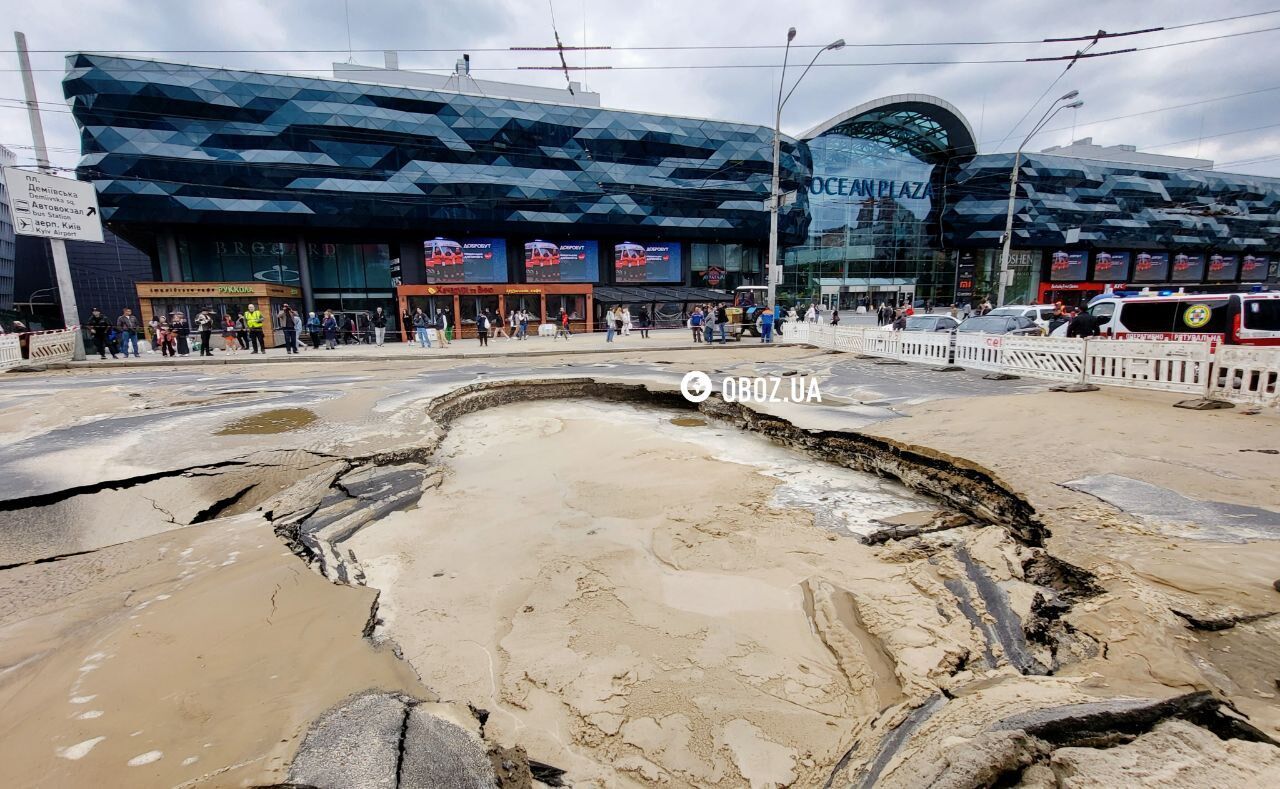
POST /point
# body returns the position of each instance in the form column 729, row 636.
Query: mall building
column 397, row 189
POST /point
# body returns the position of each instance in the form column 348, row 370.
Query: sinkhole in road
column 631, row 598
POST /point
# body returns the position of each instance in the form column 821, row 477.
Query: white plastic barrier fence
column 925, row 347
column 1149, row 364
column 882, row 342
column 980, row 351
column 10, row 351
column 52, row 346
column 851, row 339
column 1246, row 375
column 1053, row 358
column 796, row 332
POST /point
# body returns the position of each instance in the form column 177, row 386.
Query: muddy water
column 277, row 420
column 639, row 602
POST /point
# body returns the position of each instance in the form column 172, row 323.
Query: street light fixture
column 1054, row 109
column 774, row 272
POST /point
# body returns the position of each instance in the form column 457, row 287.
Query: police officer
column 253, row 322
column 99, row 325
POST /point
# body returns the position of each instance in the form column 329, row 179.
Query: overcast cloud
column 992, row 96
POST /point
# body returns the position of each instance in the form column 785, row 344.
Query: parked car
column 991, row 323
column 1041, row 314
column 931, row 323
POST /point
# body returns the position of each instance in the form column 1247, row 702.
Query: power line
column 679, row 47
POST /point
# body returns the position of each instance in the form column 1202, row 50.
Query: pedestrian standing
column 642, row 322
column 695, row 323
column 181, row 332
column 315, row 327
column 128, row 325
column 722, row 323
column 610, row 325
column 708, row 321
column 482, row 328
column 513, row 322
column 204, row 325
column 330, row 326
column 442, row 328
column 164, row 333
column 290, row 328
column 811, row 314
column 626, row 321
column 154, row 325
column 253, row 323
column 617, row 320
column 98, row 326
column 524, row 324
column 299, row 344
column 229, row 341
column 379, row 326
column 420, row 325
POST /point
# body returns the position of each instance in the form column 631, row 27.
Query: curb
column 281, row 358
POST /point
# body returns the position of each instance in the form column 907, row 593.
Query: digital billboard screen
column 1151, row 267
column 1253, row 268
column 1187, row 268
column 566, row 261
column 1111, row 267
column 646, row 262
column 1069, row 266
column 469, row 261
column 1223, row 268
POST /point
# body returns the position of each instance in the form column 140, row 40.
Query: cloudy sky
column 1180, row 100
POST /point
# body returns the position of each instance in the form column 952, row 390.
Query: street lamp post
column 774, row 272
column 1054, row 109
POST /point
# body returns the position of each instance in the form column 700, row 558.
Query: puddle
column 688, row 421
column 277, row 420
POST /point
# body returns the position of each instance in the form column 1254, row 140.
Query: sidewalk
column 658, row 340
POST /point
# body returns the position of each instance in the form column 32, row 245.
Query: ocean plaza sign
column 844, row 186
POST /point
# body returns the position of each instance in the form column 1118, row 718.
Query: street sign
column 52, row 207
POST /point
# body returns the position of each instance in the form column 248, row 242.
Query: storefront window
column 576, row 306
column 238, row 260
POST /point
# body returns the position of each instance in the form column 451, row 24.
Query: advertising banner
column 1223, row 268
column 472, row 260
column 1111, row 267
column 966, row 274
column 1254, row 268
column 566, row 261
column 646, row 262
column 1069, row 267
column 1151, row 267
column 1187, row 268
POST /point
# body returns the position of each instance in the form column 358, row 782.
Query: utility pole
column 61, row 265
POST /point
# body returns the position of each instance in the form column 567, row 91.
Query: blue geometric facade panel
column 173, row 143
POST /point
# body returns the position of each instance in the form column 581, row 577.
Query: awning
column 643, row 294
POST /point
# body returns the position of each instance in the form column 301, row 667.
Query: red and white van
column 1231, row 318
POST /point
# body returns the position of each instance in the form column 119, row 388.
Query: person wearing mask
column 290, row 328
column 420, row 325
column 330, row 327
column 442, row 328
column 766, row 325
column 98, row 327
column 695, row 323
column 379, row 321
column 204, row 325
column 229, row 341
column 128, row 326
column 482, row 328
column 253, row 324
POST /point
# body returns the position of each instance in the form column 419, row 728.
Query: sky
column 1002, row 101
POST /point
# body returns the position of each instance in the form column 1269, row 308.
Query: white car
column 1040, row 314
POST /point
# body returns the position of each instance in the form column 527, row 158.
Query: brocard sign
column 52, row 207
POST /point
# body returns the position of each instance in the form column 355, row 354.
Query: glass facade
column 726, row 266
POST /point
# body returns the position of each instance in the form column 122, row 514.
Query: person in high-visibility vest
column 253, row 321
